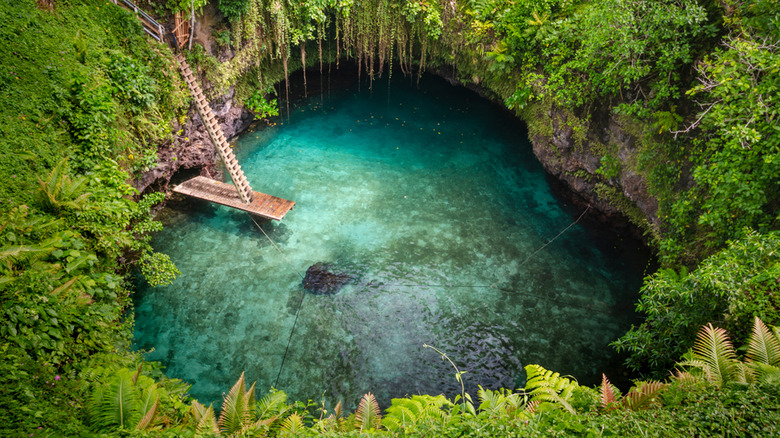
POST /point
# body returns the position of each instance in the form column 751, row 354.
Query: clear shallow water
column 432, row 201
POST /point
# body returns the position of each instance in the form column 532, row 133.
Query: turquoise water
column 431, row 200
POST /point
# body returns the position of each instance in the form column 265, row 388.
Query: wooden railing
column 181, row 30
column 151, row 26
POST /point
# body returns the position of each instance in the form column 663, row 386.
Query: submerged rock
column 320, row 281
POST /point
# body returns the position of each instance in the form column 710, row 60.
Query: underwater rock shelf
column 267, row 206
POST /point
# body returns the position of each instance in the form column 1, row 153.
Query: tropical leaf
column 766, row 374
column 500, row 402
column 272, row 405
column 115, row 404
column 292, row 425
column 644, row 395
column 367, row 415
column 547, row 386
column 408, row 413
column 146, row 420
column 714, row 354
column 335, row 421
column 235, row 413
column 763, row 346
column 60, row 192
column 683, row 377
column 608, row 397
column 204, row 418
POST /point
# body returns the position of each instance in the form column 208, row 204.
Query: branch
column 695, row 124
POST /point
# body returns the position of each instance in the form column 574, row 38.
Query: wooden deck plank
column 263, row 205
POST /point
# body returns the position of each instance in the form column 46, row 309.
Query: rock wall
column 575, row 162
column 570, row 158
column 191, row 149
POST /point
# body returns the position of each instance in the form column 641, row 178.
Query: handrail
column 149, row 23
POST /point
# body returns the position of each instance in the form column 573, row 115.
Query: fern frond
column 763, row 346
column 683, row 377
column 644, row 395
column 206, row 419
column 292, row 425
column 608, row 398
column 715, row 350
column 146, row 420
column 767, row 374
column 115, row 404
column 273, row 404
column 367, row 414
column 545, row 385
column 148, row 405
column 500, row 402
column 400, row 415
column 235, row 412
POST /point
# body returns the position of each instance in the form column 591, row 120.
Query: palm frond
column 18, row 254
column 763, row 346
column 367, row 415
column 208, row 423
column 59, row 191
column 766, row 374
column 335, row 419
column 683, row 377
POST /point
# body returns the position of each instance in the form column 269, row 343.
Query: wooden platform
column 267, row 206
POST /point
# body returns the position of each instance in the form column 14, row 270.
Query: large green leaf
column 367, row 415
column 115, row 404
column 763, row 346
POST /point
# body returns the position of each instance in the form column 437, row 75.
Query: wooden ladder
column 215, row 133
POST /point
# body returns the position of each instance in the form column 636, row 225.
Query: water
column 431, row 200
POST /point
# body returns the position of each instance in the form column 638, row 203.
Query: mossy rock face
column 320, row 281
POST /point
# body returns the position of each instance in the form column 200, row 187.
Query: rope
column 491, row 286
column 553, row 239
column 300, row 303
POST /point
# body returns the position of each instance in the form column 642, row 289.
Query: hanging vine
column 376, row 34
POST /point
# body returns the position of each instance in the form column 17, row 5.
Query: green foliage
column 715, row 358
column 764, row 345
column 733, row 286
column 419, row 413
column 233, row 9
column 714, row 355
column 610, row 167
column 185, row 5
column 367, row 416
column 258, row 104
column 548, row 387
column 59, row 192
column 131, row 82
column 158, row 269
column 222, row 38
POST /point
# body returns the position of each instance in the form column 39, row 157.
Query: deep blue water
column 432, row 201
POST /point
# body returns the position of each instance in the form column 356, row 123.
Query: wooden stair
column 215, row 133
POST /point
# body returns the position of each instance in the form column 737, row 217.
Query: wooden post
column 192, row 23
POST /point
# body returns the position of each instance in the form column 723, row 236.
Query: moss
column 617, row 199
